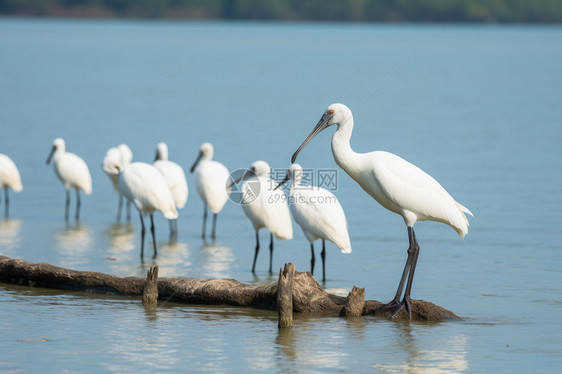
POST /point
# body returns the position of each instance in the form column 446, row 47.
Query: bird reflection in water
column 74, row 242
column 215, row 261
column 173, row 259
column 9, row 236
column 444, row 355
column 121, row 237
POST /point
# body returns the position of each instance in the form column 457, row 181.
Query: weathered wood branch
column 150, row 290
column 355, row 302
column 285, row 295
column 308, row 296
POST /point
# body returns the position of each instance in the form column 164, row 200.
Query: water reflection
column 448, row 355
column 286, row 342
column 148, row 348
column 9, row 236
column 123, row 255
column 173, row 259
column 313, row 342
column 74, row 240
column 214, row 261
column 121, row 237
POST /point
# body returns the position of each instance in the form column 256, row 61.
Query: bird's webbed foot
column 395, row 307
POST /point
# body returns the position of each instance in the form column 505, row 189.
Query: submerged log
column 308, row 296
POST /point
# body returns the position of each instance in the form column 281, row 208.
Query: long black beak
column 196, row 162
column 157, row 157
column 248, row 174
column 51, row 154
column 322, row 124
column 287, row 177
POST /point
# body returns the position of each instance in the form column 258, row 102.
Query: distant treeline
column 513, row 11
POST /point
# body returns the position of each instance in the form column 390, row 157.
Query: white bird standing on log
column 72, row 172
column 265, row 207
column 319, row 214
column 9, row 178
column 397, row 185
column 145, row 187
column 175, row 179
column 210, row 180
column 122, row 156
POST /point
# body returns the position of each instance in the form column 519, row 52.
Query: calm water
column 477, row 107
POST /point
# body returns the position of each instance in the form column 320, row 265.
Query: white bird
column 9, row 178
column 121, row 156
column 265, row 207
column 146, row 188
column 211, row 179
column 72, row 172
column 319, row 214
column 397, row 185
column 175, row 179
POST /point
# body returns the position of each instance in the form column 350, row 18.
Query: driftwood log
column 308, row 296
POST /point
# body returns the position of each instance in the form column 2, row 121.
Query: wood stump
column 285, row 296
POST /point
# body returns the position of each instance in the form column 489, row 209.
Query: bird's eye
column 331, row 111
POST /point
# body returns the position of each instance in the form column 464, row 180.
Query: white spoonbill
column 175, row 179
column 265, row 207
column 397, row 185
column 144, row 186
column 9, row 178
column 210, row 180
column 319, row 214
column 121, row 156
column 72, row 172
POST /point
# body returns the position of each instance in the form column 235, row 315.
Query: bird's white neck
column 163, row 154
column 58, row 153
column 344, row 156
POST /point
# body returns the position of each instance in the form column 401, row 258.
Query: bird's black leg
column 153, row 236
column 395, row 306
column 312, row 258
column 271, row 254
column 323, row 255
column 128, row 211
column 213, row 236
column 77, row 205
column 119, row 207
column 173, row 229
column 67, row 207
column 416, row 252
column 256, row 252
column 6, row 203
column 171, row 224
column 143, row 231
column 204, row 221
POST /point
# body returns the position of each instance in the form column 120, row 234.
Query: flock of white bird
column 396, row 184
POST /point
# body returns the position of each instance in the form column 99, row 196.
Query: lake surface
column 477, row 107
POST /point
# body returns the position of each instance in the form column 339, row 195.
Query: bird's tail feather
column 465, row 209
column 463, row 230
